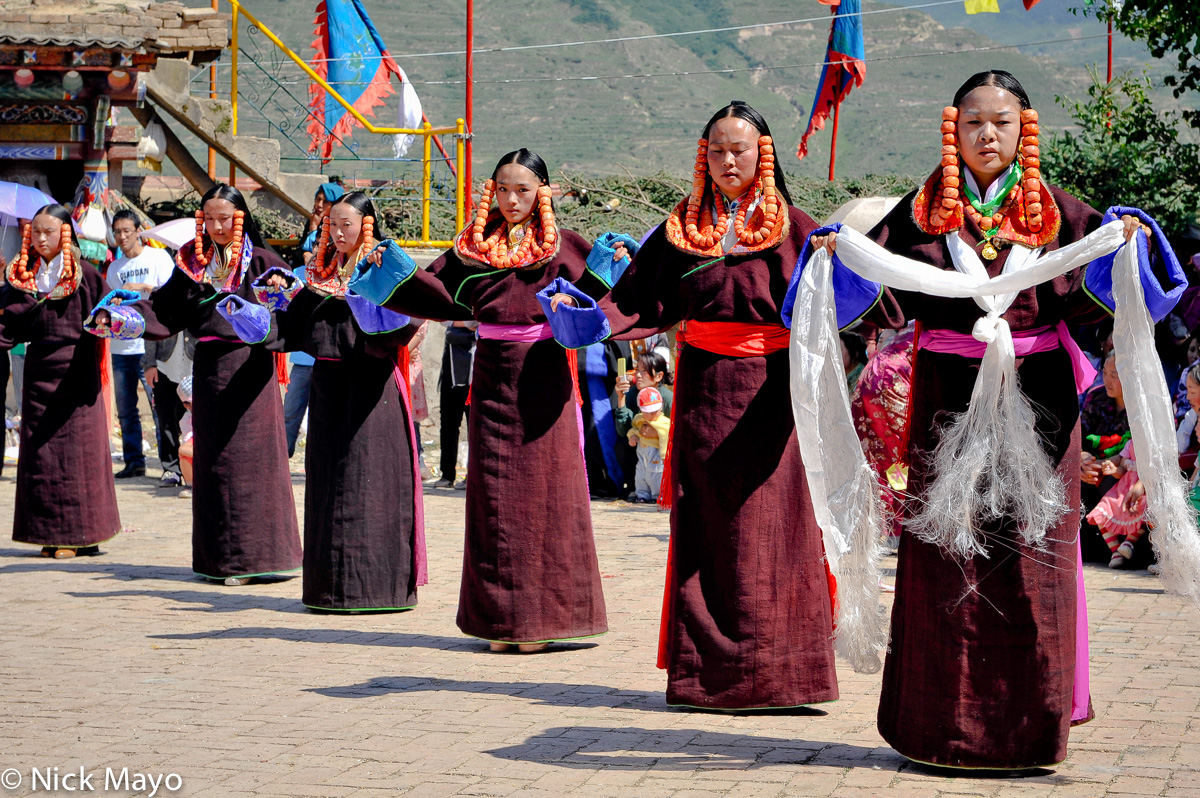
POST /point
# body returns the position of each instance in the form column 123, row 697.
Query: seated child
column 649, row 433
column 186, row 446
column 1120, row 513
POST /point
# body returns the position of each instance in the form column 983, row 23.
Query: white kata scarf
column 843, row 488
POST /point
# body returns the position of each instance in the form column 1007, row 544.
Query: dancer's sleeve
column 436, row 292
column 1162, row 277
column 855, row 297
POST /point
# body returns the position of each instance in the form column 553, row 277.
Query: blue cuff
column 853, row 295
column 117, row 293
column 373, row 319
column 600, row 260
column 251, row 322
column 378, row 283
column 276, row 298
column 1097, row 280
column 124, row 323
column 574, row 327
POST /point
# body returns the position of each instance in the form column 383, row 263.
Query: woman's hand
column 561, row 299
column 276, row 281
column 1135, row 498
column 1089, row 469
column 151, row 375
column 619, row 252
column 101, row 319
column 376, row 256
column 1132, row 225
column 828, row 242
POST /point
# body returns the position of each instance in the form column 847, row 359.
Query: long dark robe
column 243, row 513
column 981, row 665
column 65, row 493
column 359, row 514
column 530, row 572
column 749, row 622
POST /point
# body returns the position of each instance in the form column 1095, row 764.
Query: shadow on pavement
column 631, row 748
column 542, row 693
column 30, row 562
column 233, row 600
column 351, row 637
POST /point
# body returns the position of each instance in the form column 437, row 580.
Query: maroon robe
column 359, row 481
column 530, row 572
column 243, row 513
column 65, row 493
column 981, row 664
column 750, row 622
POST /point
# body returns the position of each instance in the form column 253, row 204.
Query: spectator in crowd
column 327, row 194
column 143, row 269
column 166, row 364
column 186, row 436
column 454, row 386
column 650, row 433
column 854, row 357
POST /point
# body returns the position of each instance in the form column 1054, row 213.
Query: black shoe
column 88, row 551
column 170, row 479
column 131, row 471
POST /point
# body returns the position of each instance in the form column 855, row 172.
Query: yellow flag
column 982, row 6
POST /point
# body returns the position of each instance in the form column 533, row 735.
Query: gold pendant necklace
column 989, row 252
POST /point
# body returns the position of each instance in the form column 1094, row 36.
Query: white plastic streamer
column 1149, row 408
column 844, row 491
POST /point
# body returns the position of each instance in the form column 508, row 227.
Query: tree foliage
column 1127, row 153
column 1170, row 28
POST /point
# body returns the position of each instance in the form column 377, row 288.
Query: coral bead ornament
column 320, row 269
column 705, row 235
column 537, row 241
column 198, row 245
column 22, row 271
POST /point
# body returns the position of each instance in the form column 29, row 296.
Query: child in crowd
column 649, row 433
column 1119, row 515
column 186, row 435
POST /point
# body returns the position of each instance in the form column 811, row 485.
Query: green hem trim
column 702, row 266
column 458, row 290
column 66, row 546
column 1095, row 299
column 754, row 709
column 979, row 767
column 537, row 642
column 360, row 609
column 247, row 576
column 603, row 282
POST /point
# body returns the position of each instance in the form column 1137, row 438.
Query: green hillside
column 624, row 121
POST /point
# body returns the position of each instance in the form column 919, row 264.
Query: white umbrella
column 20, row 201
column 174, row 233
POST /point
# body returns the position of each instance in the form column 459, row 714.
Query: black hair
column 238, row 200
column 361, row 203
column 126, row 214
column 742, row 110
column 60, row 212
column 993, row 77
column 530, row 160
column 651, row 362
column 856, row 345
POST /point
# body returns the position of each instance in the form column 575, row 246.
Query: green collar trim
column 988, row 208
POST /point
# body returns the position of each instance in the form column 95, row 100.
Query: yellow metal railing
column 426, row 132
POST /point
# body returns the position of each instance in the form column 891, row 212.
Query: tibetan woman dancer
column 243, row 515
column 65, row 501
column 530, row 573
column 747, row 617
column 987, row 663
column 364, row 537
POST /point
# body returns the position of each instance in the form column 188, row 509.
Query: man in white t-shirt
column 141, row 269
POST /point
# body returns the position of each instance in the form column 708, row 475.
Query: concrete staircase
column 167, row 86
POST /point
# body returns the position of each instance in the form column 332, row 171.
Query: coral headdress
column 485, row 240
column 23, row 277
column 194, row 261
column 691, row 226
column 328, row 272
column 1026, row 215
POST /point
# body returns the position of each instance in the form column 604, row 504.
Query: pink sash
column 1025, row 342
column 521, row 333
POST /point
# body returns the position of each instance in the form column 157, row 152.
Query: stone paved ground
column 128, row 661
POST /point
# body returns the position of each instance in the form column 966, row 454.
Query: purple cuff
column 373, row 319
column 251, row 322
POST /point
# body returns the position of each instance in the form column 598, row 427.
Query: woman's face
column 989, row 131
column 847, row 363
column 733, row 155
column 218, row 220
column 516, row 192
column 645, row 379
column 345, row 227
column 46, row 236
column 1193, row 394
column 1193, row 350
column 1112, row 382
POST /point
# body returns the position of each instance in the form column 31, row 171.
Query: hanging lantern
column 72, row 82
column 118, row 79
column 24, row 77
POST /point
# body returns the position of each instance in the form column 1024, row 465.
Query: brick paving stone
column 128, row 660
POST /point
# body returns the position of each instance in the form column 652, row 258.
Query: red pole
column 1110, row 50
column 833, row 139
column 468, row 115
